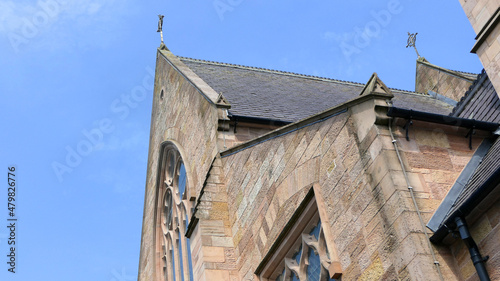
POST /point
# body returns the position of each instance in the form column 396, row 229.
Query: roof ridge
column 293, row 74
column 281, row 72
column 465, row 72
column 468, row 75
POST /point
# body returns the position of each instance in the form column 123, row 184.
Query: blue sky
column 76, row 88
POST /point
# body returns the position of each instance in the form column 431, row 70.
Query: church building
column 258, row 174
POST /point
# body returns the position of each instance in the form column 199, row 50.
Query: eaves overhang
column 314, row 119
column 442, row 119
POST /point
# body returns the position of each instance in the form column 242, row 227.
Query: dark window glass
column 182, row 180
column 297, row 255
column 315, row 230
column 189, row 253
column 281, row 277
column 314, row 268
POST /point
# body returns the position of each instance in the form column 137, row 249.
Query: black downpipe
column 475, row 255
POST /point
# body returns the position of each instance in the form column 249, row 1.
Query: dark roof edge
column 442, row 119
column 322, row 116
column 200, row 85
column 469, row 94
column 258, row 120
column 487, row 29
column 292, row 74
column 465, row 209
column 445, row 207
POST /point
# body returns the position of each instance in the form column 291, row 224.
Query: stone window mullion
column 182, row 232
column 308, row 254
column 172, row 219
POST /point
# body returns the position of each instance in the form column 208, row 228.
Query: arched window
column 173, row 213
column 301, row 251
column 311, row 258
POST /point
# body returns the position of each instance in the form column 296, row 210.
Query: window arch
column 173, row 211
column 309, row 259
column 301, row 252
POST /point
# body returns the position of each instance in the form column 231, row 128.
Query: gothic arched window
column 301, row 251
column 173, row 213
column 311, row 259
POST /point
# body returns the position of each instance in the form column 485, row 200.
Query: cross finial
column 160, row 26
column 412, row 38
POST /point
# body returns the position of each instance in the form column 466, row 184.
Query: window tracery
column 311, row 261
column 173, row 213
column 301, row 251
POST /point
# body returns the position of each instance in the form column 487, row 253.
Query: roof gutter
column 258, row 120
column 442, row 119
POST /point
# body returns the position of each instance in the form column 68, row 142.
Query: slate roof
column 290, row 97
column 480, row 102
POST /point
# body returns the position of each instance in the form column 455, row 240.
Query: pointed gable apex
column 203, row 88
column 375, row 85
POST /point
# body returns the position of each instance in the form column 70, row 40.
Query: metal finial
column 160, row 26
column 412, row 38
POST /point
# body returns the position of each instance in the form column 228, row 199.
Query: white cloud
column 131, row 137
column 60, row 23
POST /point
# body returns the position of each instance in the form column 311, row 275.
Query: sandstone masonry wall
column 374, row 226
column 441, row 81
column 434, row 157
column 486, row 234
column 479, row 13
column 184, row 116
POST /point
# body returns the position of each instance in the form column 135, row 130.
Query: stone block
column 481, row 229
column 218, row 241
column 374, row 271
column 432, row 158
column 212, row 227
column 222, row 275
column 434, row 138
column 493, row 214
column 213, row 254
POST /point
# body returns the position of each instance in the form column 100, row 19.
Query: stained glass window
column 305, row 263
column 175, row 252
column 314, row 267
column 315, row 230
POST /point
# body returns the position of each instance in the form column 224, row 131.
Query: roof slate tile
column 290, row 97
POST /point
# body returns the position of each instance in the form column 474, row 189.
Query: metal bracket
column 407, row 128
column 469, row 135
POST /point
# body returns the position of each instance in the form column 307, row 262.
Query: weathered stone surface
column 445, row 82
column 245, row 199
